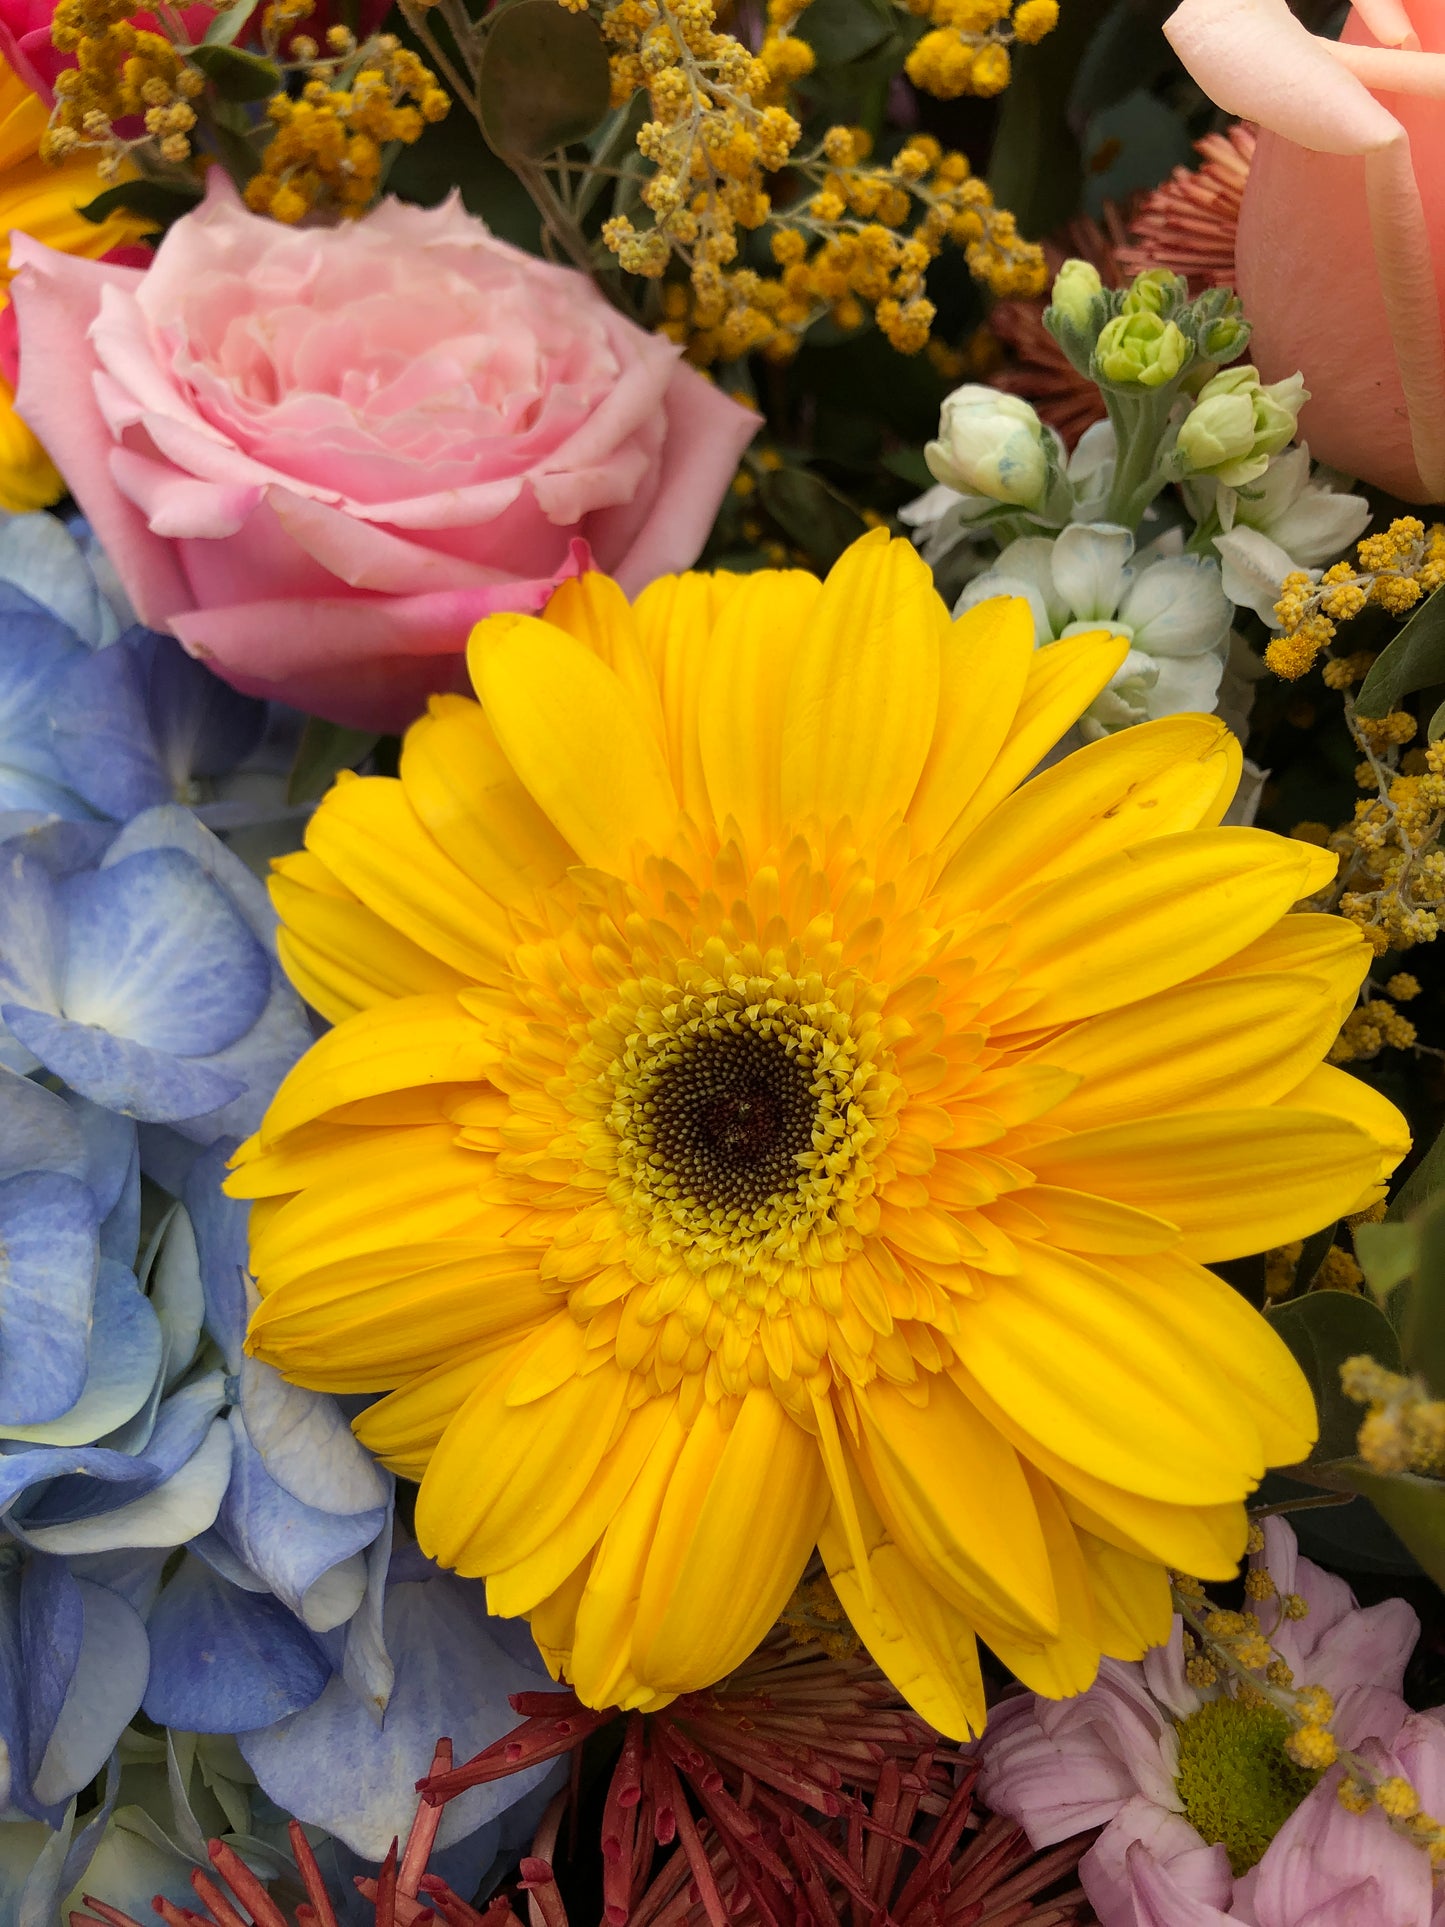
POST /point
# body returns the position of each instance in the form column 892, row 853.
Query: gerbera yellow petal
column 1336, row 1094
column 1233, row 1181
column 863, row 694
column 404, row 1428
column 670, row 614
column 407, row 1044
column 1215, row 1043
column 745, row 1499
column 954, row 1496
column 1132, row 1606
column 1068, row 1662
column 743, row 678
column 1106, row 1382
column 983, row 665
column 925, row 1645
column 505, row 1477
column 467, row 795
column 1063, row 679
column 1163, row 777
column 369, row 836
column 576, row 737
column 1148, row 917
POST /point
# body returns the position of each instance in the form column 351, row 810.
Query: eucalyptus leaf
column 236, row 74
column 544, row 79
column 158, row 201
column 1413, row 1507
column 1316, row 1250
column 840, row 31
column 1414, row 660
column 1323, row 1329
column 1422, row 1318
column 811, row 514
column 1387, row 1254
column 324, row 749
column 1427, row 1178
column 228, row 23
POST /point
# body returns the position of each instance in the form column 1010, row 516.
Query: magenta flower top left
column 319, row 457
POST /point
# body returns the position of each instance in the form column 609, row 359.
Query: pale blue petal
column 366, row 1664
column 136, row 1576
column 220, row 1226
column 223, row 1660
column 174, row 1511
column 200, row 725
column 32, row 942
column 38, row 1130
column 156, row 954
column 104, row 1697
column 307, row 1444
column 259, row 1060
column 100, row 735
column 48, row 1258
column 77, row 1479
column 52, row 1631
column 175, row 1290
column 127, row 1077
column 125, row 1359
column 306, row 1556
column 110, row 1160
column 44, row 560
column 172, row 828
column 334, row 1766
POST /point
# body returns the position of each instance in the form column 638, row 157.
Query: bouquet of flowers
column 722, row 1190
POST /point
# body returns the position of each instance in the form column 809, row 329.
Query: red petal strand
column 544, row 1900
column 211, row 1897
column 175, row 1916
column 422, row 1838
column 112, row 1916
column 316, row 1894
column 619, row 1825
column 457, row 1912
column 692, row 1846
column 535, row 1740
column 409, row 1911
column 245, row 1886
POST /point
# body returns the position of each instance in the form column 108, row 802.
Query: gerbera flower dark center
column 731, row 1117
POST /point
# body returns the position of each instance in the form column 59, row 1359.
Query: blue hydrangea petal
column 220, row 1226
column 39, row 1131
column 48, row 1259
column 105, row 1695
column 46, row 562
column 172, row 828
column 172, row 1512
column 200, row 725
column 366, row 1665
column 224, row 1660
column 308, row 1557
column 100, row 734
column 308, row 1445
column 134, row 1575
column 157, row 955
column 32, row 944
column 52, row 1631
column 127, row 1077
column 334, row 1766
column 175, row 1291
column 260, row 1060
column 124, row 1363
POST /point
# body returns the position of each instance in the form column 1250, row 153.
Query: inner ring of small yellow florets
column 738, row 1126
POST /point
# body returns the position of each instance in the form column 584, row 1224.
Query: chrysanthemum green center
column 1236, row 1781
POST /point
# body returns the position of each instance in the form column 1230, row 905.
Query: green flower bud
column 1140, row 349
column 1223, row 338
column 1154, row 291
column 992, row 444
column 1238, row 423
column 1076, row 288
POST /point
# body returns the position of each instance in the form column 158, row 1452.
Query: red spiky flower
column 1189, row 223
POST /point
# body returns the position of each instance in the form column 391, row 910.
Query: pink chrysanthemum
column 1189, row 223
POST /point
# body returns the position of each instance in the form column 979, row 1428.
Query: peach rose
column 320, row 456
column 1340, row 256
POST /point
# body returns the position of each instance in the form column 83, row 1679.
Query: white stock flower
column 1170, row 607
column 1287, row 520
column 993, row 444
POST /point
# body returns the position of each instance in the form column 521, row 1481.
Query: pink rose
column 1349, row 173
column 320, row 456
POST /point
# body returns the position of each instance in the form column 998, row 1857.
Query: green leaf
column 544, row 79
column 238, row 75
column 811, row 514
column 840, row 31
column 1387, row 1254
column 1414, row 660
column 1422, row 1314
column 1436, row 727
column 324, row 749
column 158, row 201
column 909, row 466
column 1427, row 1178
column 228, row 23
column 1323, row 1330
column 1412, row 1506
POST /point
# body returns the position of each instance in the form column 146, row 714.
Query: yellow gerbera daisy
column 752, row 1123
column 41, row 198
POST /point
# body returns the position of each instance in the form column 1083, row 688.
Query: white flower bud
column 992, row 444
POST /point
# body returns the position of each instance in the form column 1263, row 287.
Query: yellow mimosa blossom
column 40, row 198
column 754, row 1123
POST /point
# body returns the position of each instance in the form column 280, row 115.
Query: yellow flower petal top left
column 41, row 198
column 754, row 1123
